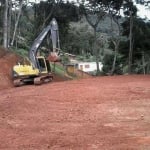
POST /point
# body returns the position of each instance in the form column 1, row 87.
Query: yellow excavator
column 38, row 69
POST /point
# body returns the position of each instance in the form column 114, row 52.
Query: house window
column 87, row 66
column 81, row 67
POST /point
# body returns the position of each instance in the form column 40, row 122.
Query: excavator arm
column 53, row 28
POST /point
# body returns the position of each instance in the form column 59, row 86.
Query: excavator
column 38, row 69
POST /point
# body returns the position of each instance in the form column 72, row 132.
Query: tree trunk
column 9, row 21
column 16, row 24
column 94, row 25
column 49, row 15
column 115, row 58
column 97, row 65
column 96, row 51
column 115, row 39
column 143, row 63
column 5, row 25
column 131, row 43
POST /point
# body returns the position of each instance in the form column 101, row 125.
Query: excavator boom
column 53, row 28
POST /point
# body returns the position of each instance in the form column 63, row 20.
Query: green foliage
column 86, row 58
column 21, row 52
column 63, row 12
column 79, row 39
column 141, row 38
column 107, row 64
column 65, row 59
column 112, row 6
column 59, row 70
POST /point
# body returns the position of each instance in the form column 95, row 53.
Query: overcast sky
column 143, row 12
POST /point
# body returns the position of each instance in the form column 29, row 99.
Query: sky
column 143, row 12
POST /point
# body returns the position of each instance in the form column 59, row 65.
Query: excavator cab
column 44, row 65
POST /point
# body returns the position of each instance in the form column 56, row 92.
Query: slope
column 7, row 60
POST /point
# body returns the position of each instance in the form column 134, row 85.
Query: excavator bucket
column 53, row 57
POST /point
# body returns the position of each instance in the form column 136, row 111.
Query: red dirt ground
column 104, row 113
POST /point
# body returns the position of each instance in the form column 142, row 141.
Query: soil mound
column 7, row 61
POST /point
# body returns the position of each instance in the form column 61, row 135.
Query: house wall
column 70, row 69
column 89, row 66
column 73, row 71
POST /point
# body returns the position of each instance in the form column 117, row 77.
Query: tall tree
column 130, row 11
column 63, row 12
column 94, row 14
column 99, row 9
column 5, row 25
column 115, row 38
column 141, row 36
column 9, row 21
column 17, row 21
column 114, row 9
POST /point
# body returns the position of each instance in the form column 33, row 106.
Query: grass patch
column 58, row 69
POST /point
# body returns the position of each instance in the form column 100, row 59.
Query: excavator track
column 43, row 79
column 18, row 82
column 37, row 81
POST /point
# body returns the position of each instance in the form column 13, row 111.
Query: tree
column 115, row 31
column 130, row 11
column 17, row 21
column 63, row 12
column 9, row 21
column 99, row 9
column 141, row 36
column 5, row 25
column 115, row 38
column 93, row 16
column 143, row 2
column 79, row 39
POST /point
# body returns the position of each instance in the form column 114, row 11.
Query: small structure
column 70, row 69
column 73, row 71
column 78, row 68
column 89, row 66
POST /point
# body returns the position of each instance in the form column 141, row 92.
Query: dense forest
column 108, row 31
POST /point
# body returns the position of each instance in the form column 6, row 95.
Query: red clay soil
column 7, row 60
column 104, row 113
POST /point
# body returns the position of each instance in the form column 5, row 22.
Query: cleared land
column 105, row 113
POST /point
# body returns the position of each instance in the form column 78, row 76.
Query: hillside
column 104, row 26
column 7, row 60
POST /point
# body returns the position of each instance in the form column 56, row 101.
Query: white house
column 89, row 66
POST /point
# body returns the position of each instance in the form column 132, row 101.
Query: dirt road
column 105, row 113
